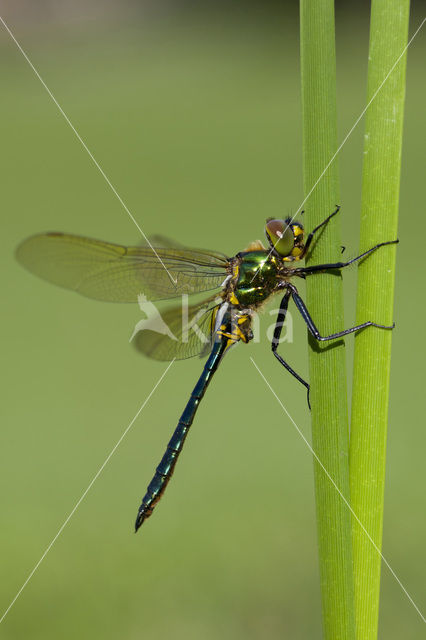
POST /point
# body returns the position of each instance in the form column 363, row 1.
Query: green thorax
column 256, row 277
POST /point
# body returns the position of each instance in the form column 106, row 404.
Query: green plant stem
column 379, row 218
column 325, row 302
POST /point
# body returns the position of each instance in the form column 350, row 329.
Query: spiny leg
column 339, row 334
column 339, row 265
column 311, row 235
column 276, row 340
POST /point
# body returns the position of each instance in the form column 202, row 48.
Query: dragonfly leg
column 339, row 265
column 339, row 334
column 276, row 340
column 311, row 235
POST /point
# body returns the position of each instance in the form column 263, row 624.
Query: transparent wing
column 179, row 332
column 115, row 273
column 159, row 240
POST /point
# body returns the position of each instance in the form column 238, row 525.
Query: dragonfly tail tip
column 139, row 521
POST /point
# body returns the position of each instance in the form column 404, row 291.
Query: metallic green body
column 257, row 277
column 116, row 273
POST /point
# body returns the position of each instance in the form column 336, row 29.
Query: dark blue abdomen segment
column 166, row 467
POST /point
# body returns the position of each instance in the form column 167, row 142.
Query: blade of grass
column 324, row 298
column 379, row 219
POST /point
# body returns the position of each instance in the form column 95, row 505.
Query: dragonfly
column 241, row 285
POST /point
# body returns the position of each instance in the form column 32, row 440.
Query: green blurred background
column 195, row 116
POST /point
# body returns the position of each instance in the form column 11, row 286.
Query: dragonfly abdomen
column 167, row 465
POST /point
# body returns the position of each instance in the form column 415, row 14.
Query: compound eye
column 280, row 235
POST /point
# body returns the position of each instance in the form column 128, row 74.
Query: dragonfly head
column 285, row 238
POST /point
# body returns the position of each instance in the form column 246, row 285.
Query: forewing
column 115, row 273
column 189, row 332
